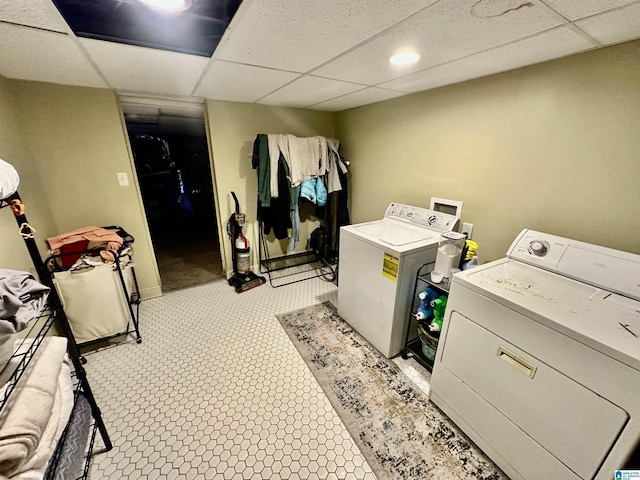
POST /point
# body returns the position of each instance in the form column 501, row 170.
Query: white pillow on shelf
column 9, row 180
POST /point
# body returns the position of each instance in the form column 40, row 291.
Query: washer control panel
column 422, row 217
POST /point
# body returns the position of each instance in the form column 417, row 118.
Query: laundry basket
column 429, row 342
column 94, row 301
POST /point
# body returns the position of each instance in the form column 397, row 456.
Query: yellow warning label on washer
column 390, row 267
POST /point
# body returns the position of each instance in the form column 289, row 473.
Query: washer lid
column 393, row 233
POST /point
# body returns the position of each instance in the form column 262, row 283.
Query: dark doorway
column 171, row 158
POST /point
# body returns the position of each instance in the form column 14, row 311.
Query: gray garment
column 295, row 229
column 22, row 298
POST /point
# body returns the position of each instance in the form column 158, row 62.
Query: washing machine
column 377, row 266
column 539, row 359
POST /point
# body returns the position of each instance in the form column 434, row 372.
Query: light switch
column 123, row 179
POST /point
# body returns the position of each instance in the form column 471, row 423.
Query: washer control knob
column 539, row 248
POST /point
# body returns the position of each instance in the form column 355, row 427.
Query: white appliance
column 539, row 358
column 377, row 266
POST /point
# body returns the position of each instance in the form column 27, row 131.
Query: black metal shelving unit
column 413, row 346
column 38, row 329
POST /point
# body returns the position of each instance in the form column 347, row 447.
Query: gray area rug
column 400, row 433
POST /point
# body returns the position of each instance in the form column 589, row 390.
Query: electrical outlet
column 123, row 179
column 467, row 228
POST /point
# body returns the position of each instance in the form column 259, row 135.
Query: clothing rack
column 53, row 314
column 307, row 171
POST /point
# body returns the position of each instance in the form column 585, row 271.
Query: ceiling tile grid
column 559, row 42
column 575, row 9
column 615, row 26
column 322, row 55
column 148, row 70
column 33, row 13
column 240, row 83
column 309, row 90
column 441, row 33
column 299, row 36
column 357, row 99
column 38, row 55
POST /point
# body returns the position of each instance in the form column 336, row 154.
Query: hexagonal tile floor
column 217, row 390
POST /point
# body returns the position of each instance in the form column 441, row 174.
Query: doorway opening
column 171, row 159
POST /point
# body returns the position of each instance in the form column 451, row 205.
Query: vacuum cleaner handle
column 235, row 199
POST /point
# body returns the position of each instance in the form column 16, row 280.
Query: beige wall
column 69, row 142
column 233, row 128
column 553, row 147
column 76, row 142
column 13, row 149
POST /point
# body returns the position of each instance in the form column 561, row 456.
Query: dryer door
column 571, row 422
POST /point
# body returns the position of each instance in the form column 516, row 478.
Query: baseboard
column 148, row 293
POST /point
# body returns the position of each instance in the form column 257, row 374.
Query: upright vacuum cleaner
column 243, row 278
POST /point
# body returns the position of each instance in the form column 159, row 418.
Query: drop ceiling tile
column 614, row 27
column 441, row 33
column 146, row 70
column 556, row 43
column 309, row 90
column 575, row 9
column 39, row 55
column 240, row 83
column 298, row 36
column 33, row 13
column 357, row 99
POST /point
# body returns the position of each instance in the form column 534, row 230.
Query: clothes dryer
column 377, row 266
column 539, row 358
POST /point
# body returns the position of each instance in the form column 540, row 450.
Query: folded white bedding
column 36, row 466
column 24, row 420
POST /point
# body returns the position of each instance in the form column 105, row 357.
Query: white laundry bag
column 94, row 301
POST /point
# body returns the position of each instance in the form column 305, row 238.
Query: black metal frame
column 413, row 348
column 311, row 258
column 132, row 298
column 53, row 314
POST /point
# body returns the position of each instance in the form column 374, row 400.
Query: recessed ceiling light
column 168, row 5
column 404, row 58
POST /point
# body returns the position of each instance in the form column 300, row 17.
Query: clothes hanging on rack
column 261, row 162
column 313, row 190
column 336, row 213
column 309, row 168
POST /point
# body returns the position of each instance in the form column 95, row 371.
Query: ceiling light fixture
column 404, row 58
column 168, row 5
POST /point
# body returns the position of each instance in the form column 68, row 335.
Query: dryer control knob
column 538, row 248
